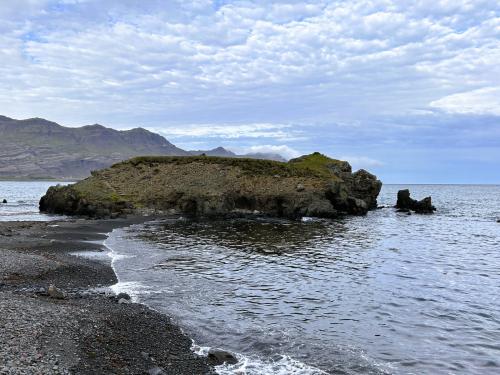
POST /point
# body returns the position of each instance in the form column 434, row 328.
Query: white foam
column 133, row 289
column 99, row 255
column 307, row 219
column 253, row 365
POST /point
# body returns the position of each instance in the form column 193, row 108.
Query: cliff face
column 312, row 185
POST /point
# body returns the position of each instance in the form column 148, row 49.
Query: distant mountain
column 36, row 148
column 221, row 151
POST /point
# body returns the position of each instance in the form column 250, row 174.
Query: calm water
column 385, row 293
column 22, row 200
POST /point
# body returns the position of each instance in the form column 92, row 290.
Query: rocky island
column 312, row 185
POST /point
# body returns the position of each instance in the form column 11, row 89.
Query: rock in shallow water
column 217, row 357
column 405, row 203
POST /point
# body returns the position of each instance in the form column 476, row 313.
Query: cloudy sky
column 407, row 89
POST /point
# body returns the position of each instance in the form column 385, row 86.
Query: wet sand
column 87, row 332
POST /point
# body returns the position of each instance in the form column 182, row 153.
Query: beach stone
column 123, row 301
column 4, row 201
column 218, row 357
column 156, row 371
column 55, row 293
column 123, row 296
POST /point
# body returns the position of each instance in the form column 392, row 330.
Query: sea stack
column 405, row 203
column 312, row 185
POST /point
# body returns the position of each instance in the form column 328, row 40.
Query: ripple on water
column 385, row 293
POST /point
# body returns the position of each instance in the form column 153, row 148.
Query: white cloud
column 484, row 101
column 286, row 151
column 227, row 131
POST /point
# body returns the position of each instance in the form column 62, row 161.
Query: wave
column 255, row 365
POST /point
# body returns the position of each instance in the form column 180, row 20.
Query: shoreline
column 88, row 331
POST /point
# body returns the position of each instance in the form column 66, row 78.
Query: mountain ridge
column 36, row 148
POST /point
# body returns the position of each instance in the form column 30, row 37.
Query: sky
column 409, row 90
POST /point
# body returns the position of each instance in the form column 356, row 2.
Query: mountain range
column 40, row 149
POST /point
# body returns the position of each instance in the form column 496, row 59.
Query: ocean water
column 22, row 200
column 387, row 293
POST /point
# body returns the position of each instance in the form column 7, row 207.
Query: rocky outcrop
column 405, row 203
column 313, row 185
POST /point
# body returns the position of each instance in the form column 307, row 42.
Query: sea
column 22, row 200
column 385, row 293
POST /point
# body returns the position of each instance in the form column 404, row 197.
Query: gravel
column 25, row 347
column 87, row 331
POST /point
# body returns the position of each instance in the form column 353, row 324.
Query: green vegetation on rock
column 315, row 165
column 312, row 185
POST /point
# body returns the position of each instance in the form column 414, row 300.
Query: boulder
column 217, row 357
column 156, row 371
column 4, row 201
column 123, row 296
column 405, row 203
column 55, row 293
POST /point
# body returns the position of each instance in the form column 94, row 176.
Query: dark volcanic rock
column 217, row 357
column 123, row 296
column 312, row 185
column 70, row 202
column 405, row 203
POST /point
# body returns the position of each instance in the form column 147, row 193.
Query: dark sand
column 88, row 332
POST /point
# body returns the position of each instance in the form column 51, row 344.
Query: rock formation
column 312, row 185
column 405, row 203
